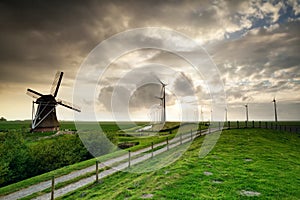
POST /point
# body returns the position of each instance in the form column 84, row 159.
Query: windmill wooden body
column 44, row 117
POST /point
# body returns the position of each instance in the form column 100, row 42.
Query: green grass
column 273, row 171
column 144, row 142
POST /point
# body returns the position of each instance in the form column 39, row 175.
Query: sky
column 254, row 46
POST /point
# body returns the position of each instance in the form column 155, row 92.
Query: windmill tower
column 44, row 118
column 275, row 109
column 226, row 116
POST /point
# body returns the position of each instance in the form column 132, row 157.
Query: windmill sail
column 56, row 83
column 33, row 93
column 68, row 105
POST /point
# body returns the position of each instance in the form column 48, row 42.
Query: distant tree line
column 2, row 119
column 20, row 160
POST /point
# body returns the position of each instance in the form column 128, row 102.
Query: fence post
column 180, row 138
column 271, row 125
column 200, row 129
column 259, row 124
column 253, row 124
column 191, row 135
column 266, row 125
column 97, row 171
column 228, row 124
column 219, row 125
column 52, row 188
column 209, row 129
column 284, row 127
column 238, row 124
column 129, row 157
column 151, row 149
column 167, row 143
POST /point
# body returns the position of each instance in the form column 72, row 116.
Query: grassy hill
column 244, row 164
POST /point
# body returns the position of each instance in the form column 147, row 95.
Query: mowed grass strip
column 244, row 162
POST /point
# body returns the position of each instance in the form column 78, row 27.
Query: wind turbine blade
column 162, row 83
column 33, row 93
column 56, row 83
column 68, row 105
column 156, row 77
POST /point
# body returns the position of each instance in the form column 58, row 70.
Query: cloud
column 183, row 85
column 268, row 56
column 253, row 43
column 144, row 96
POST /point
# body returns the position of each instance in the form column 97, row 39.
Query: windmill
column 247, row 116
column 44, row 119
column 226, row 114
column 275, row 109
column 202, row 118
column 163, row 100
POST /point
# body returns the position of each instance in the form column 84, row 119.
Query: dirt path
column 83, row 182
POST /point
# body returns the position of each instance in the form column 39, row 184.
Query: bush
column 15, row 159
column 19, row 161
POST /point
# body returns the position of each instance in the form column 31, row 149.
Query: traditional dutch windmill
column 44, row 118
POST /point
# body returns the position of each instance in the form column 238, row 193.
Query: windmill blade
column 33, row 93
column 68, row 105
column 159, row 97
column 56, row 83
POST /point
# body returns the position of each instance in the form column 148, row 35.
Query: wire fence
column 279, row 126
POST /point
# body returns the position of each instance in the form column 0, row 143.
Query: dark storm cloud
column 38, row 36
column 183, row 85
column 145, row 96
column 253, row 44
column 107, row 93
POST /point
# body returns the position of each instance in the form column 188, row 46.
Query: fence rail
column 279, row 126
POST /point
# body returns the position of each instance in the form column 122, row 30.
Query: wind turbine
column 162, row 110
column 247, row 117
column 225, row 114
column 202, row 114
column 275, row 109
column 163, row 99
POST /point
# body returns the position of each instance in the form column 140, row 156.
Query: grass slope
column 257, row 160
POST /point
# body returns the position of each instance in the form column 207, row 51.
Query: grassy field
column 35, row 139
column 244, row 162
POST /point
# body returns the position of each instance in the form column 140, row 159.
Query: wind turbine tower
column 275, row 109
column 163, row 100
column 247, row 115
